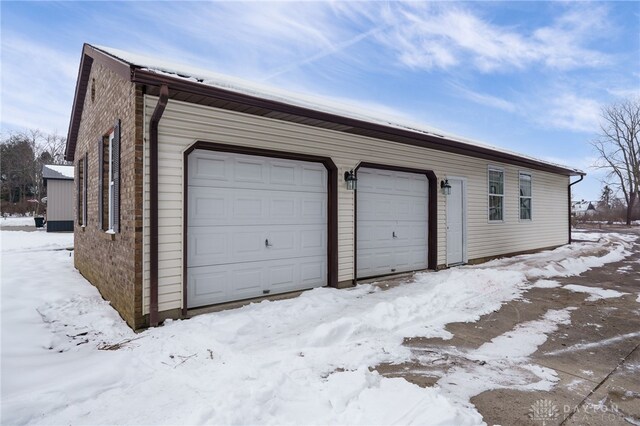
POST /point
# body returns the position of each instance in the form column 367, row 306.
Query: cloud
column 37, row 85
column 485, row 99
column 572, row 112
column 335, row 48
column 254, row 39
column 444, row 36
column 625, row 92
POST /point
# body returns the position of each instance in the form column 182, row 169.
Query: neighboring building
column 197, row 189
column 583, row 208
column 59, row 183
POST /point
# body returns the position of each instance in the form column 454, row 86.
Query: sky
column 530, row 77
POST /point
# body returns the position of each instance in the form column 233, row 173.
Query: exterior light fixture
column 445, row 186
column 351, row 180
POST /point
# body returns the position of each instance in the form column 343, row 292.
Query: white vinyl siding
column 183, row 124
column 525, row 196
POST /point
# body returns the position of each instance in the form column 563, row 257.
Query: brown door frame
column 332, row 202
column 432, row 209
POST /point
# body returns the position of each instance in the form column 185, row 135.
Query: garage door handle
column 394, row 235
column 266, row 243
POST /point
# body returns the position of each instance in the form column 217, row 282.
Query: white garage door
column 256, row 226
column 392, row 222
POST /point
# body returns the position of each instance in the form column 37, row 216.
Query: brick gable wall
column 113, row 263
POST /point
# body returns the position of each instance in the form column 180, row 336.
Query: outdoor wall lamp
column 351, row 180
column 445, row 186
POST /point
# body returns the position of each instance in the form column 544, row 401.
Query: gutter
column 569, row 195
column 153, row 201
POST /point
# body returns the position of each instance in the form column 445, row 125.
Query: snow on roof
column 583, row 206
column 340, row 107
column 50, row 171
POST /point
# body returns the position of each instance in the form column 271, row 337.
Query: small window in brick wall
column 82, row 191
column 109, row 185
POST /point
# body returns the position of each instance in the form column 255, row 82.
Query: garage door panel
column 391, row 183
column 410, row 257
column 313, row 177
column 222, row 206
column 391, row 207
column 233, row 244
column 208, row 170
column 249, row 171
column 313, row 239
column 313, row 272
column 223, row 283
column 283, row 174
column 373, row 262
column 374, row 208
column 380, row 234
column 214, row 169
column 200, row 288
column 256, row 225
column 313, row 209
column 283, row 208
column 248, row 280
column 374, row 234
column 417, row 256
column 412, row 233
column 392, row 222
column 211, row 206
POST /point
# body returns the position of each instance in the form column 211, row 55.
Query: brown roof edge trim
column 382, row 132
column 120, row 67
column 84, row 69
column 153, row 204
column 89, row 55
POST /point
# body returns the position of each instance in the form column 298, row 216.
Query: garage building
column 58, row 180
column 197, row 189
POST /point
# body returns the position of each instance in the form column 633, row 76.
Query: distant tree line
column 618, row 149
column 22, row 155
column 615, row 209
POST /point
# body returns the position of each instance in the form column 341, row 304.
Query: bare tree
column 22, row 155
column 619, row 149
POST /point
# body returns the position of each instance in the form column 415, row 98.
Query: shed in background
column 59, row 183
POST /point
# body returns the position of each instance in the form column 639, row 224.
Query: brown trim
column 569, row 197
column 332, row 205
column 355, row 126
column 153, row 205
column 82, row 83
column 90, row 55
column 432, row 208
column 120, row 67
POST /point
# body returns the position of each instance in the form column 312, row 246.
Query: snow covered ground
column 6, row 222
column 595, row 293
column 68, row 358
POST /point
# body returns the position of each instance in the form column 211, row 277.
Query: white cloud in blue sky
column 530, row 77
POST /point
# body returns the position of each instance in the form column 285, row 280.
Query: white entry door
column 455, row 222
column 256, row 226
column 392, row 210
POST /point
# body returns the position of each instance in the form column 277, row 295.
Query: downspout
column 153, row 201
column 569, row 195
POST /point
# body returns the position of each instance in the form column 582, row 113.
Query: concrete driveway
column 596, row 356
